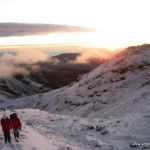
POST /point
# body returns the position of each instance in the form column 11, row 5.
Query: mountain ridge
column 124, row 78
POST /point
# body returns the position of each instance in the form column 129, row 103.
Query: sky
column 95, row 23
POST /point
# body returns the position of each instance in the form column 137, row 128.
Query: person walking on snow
column 16, row 125
column 6, row 126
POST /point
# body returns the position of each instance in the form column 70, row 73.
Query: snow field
column 44, row 131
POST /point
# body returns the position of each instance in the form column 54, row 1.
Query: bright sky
column 119, row 23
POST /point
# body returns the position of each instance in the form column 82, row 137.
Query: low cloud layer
column 92, row 55
column 23, row 29
column 17, row 61
column 8, row 69
column 9, row 62
column 24, row 56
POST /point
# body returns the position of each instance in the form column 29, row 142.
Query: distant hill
column 65, row 57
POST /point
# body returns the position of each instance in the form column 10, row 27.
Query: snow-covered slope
column 12, row 87
column 118, row 86
column 44, row 131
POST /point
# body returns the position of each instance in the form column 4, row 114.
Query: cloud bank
column 10, row 62
column 92, row 55
column 24, row 29
column 18, row 61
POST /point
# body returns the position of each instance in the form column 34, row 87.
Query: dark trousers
column 7, row 137
column 16, row 135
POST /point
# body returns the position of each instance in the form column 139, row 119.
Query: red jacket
column 15, row 123
column 6, row 125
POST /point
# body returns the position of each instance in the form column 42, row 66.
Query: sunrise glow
column 115, row 23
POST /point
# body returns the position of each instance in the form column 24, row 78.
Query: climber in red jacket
column 16, row 125
column 6, row 126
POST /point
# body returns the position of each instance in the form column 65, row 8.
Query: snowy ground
column 44, row 131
